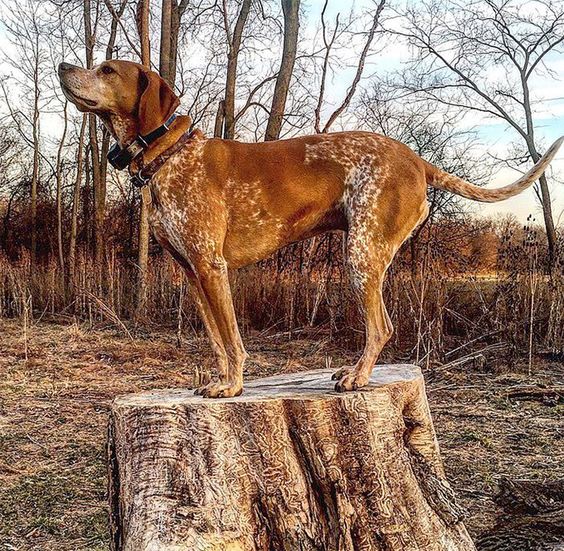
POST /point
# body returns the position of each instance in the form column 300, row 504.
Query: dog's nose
column 63, row 67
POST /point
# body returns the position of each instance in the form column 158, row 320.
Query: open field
column 54, row 407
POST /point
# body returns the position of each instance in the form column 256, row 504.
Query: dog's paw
column 222, row 390
column 351, row 380
column 200, row 390
column 340, row 373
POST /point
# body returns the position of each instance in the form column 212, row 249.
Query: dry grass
column 524, row 307
column 54, row 407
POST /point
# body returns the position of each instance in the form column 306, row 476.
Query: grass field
column 57, row 383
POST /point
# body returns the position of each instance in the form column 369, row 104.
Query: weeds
column 449, row 299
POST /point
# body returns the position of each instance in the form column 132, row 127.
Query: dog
column 222, row 204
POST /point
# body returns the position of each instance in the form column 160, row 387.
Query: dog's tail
column 443, row 180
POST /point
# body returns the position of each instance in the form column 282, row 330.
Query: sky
column 493, row 136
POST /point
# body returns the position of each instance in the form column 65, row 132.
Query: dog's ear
column 156, row 103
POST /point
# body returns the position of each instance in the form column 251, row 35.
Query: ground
column 54, row 402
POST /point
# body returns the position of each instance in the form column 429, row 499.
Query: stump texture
column 288, row 466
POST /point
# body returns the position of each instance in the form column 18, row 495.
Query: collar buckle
column 139, row 181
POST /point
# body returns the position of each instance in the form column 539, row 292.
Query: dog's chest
column 184, row 218
column 167, row 223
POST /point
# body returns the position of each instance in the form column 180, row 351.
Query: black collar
column 121, row 157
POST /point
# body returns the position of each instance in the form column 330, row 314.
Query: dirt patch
column 54, row 405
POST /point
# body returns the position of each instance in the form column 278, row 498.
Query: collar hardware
column 138, row 180
column 121, row 157
column 144, row 175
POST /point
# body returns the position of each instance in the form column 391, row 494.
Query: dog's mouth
column 74, row 97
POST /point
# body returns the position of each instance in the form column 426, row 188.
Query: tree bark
column 232, row 59
column 288, row 466
column 172, row 13
column 98, row 180
column 143, row 14
column 76, row 204
column 219, row 120
column 165, row 47
column 291, row 10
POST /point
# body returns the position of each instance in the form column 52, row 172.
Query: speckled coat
column 220, row 204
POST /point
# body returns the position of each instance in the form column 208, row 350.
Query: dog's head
column 129, row 98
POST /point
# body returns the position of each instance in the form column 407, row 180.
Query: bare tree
column 456, row 57
column 142, row 19
column 24, row 31
column 234, row 39
column 290, row 9
column 328, row 44
column 171, row 17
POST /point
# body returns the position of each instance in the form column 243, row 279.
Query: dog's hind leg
column 371, row 246
column 368, row 260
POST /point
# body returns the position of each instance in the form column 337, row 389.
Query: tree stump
column 290, row 465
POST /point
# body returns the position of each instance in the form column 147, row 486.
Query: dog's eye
column 106, row 69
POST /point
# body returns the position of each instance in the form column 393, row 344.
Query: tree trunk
column 545, row 199
column 143, row 14
column 551, row 236
column 36, row 152
column 143, row 255
column 110, row 46
column 219, row 120
column 178, row 10
column 172, row 13
column 288, row 466
column 76, row 205
column 232, row 59
column 98, row 180
column 59, row 178
column 291, row 9
column 165, row 54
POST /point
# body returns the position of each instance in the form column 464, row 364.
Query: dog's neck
column 123, row 128
column 178, row 127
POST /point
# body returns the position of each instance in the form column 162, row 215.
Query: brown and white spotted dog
column 220, row 204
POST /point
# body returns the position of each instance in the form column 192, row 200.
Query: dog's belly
column 254, row 239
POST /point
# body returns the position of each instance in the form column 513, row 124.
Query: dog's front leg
column 214, row 282
column 212, row 330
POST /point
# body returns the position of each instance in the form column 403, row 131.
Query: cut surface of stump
column 290, row 465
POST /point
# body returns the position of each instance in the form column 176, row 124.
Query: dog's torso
column 243, row 201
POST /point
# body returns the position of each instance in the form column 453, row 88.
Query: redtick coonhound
column 220, row 204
